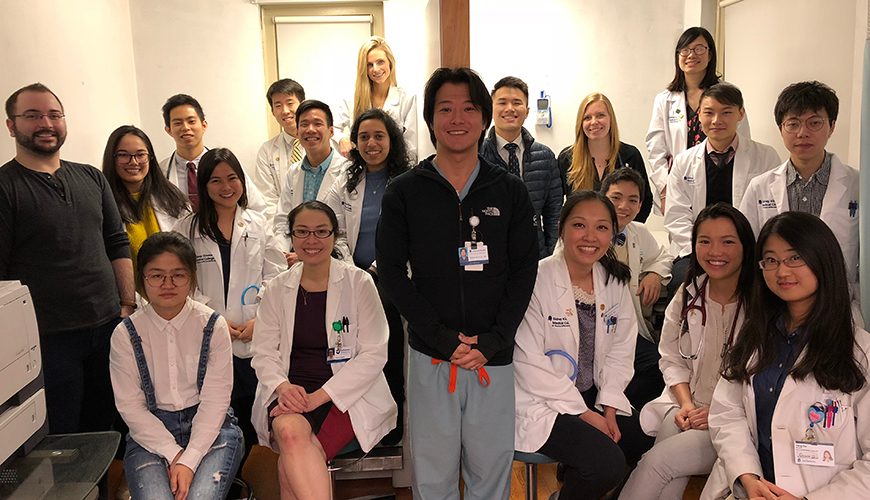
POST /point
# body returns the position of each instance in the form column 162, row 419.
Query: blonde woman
column 376, row 88
column 597, row 151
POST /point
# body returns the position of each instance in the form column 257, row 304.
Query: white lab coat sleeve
column 659, row 147
column 534, row 373
column 409, row 123
column 729, row 431
column 656, row 258
column 354, row 379
column 274, row 262
column 214, row 398
column 749, row 203
column 618, row 366
column 342, row 123
column 675, row 370
column 266, row 343
column 333, row 199
column 678, row 209
column 145, row 428
column 264, row 179
column 285, row 205
column 256, row 201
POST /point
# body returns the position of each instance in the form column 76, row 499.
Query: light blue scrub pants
column 472, row 428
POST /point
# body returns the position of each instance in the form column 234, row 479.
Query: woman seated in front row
column 320, row 345
column 700, row 325
column 789, row 418
column 574, row 355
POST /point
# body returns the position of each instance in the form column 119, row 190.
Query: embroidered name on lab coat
column 771, row 204
column 203, row 259
column 557, row 322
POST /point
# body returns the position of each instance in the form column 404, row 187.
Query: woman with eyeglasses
column 148, row 202
column 701, row 323
column 376, row 88
column 675, row 126
column 236, row 254
column 319, row 351
column 794, row 385
column 170, row 365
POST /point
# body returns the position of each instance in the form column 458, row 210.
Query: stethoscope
column 256, row 290
column 702, row 308
column 173, row 164
column 574, row 366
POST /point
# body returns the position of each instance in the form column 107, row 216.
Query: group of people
column 216, row 309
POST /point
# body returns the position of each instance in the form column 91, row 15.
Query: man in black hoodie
column 466, row 229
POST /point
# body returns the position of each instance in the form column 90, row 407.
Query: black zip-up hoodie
column 423, row 224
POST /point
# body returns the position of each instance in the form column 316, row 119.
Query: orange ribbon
column 482, row 376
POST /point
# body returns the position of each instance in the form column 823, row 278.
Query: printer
column 22, row 396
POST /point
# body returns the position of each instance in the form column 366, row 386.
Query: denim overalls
column 147, row 473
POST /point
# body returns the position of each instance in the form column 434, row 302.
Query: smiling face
column 596, row 121
column 456, row 123
column 224, row 186
column 587, row 233
column 167, row 298
column 694, row 63
column 44, row 136
column 313, row 250
column 133, row 173
column 509, row 111
column 314, row 133
column 186, row 127
column 378, row 67
column 796, row 286
column 284, row 110
column 373, row 144
column 625, row 197
column 718, row 249
column 719, row 121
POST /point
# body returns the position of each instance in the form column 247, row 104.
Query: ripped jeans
column 148, row 474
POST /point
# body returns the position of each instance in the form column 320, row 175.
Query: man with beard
column 62, row 236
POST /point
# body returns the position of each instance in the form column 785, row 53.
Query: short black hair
column 512, row 82
column 623, row 175
column 726, row 93
column 33, row 87
column 181, row 100
column 476, row 89
column 310, row 104
column 318, row 206
column 285, row 86
column 798, row 98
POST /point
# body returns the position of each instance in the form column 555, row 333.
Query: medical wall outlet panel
column 544, row 113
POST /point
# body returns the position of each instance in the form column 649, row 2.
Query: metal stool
column 531, row 460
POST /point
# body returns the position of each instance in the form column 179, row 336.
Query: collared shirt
column 464, row 191
column 720, row 174
column 505, row 155
column 172, row 350
column 314, row 176
column 180, row 174
column 731, row 149
column 807, row 195
column 767, row 385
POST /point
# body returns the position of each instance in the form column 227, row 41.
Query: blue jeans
column 148, row 474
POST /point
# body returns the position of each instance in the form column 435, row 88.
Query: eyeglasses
column 158, row 279
column 813, row 124
column 771, row 264
column 124, row 157
column 318, row 233
column 33, row 116
column 699, row 50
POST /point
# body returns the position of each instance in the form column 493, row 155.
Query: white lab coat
column 292, row 190
column 542, row 384
column 348, row 210
column 256, row 201
column 273, row 162
column 357, row 386
column 733, row 430
column 675, row 369
column 400, row 105
column 645, row 255
column 766, row 196
column 667, row 136
column 687, row 186
column 254, row 260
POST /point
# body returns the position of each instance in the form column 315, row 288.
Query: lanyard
column 482, row 376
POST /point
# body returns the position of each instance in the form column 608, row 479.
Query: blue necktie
column 620, row 239
column 513, row 159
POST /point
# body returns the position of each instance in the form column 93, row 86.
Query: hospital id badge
column 811, row 453
column 339, row 354
column 473, row 256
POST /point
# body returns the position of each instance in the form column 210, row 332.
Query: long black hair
column 206, row 219
column 397, row 159
column 722, row 210
column 678, row 84
column 829, row 331
column 611, row 263
column 156, row 188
